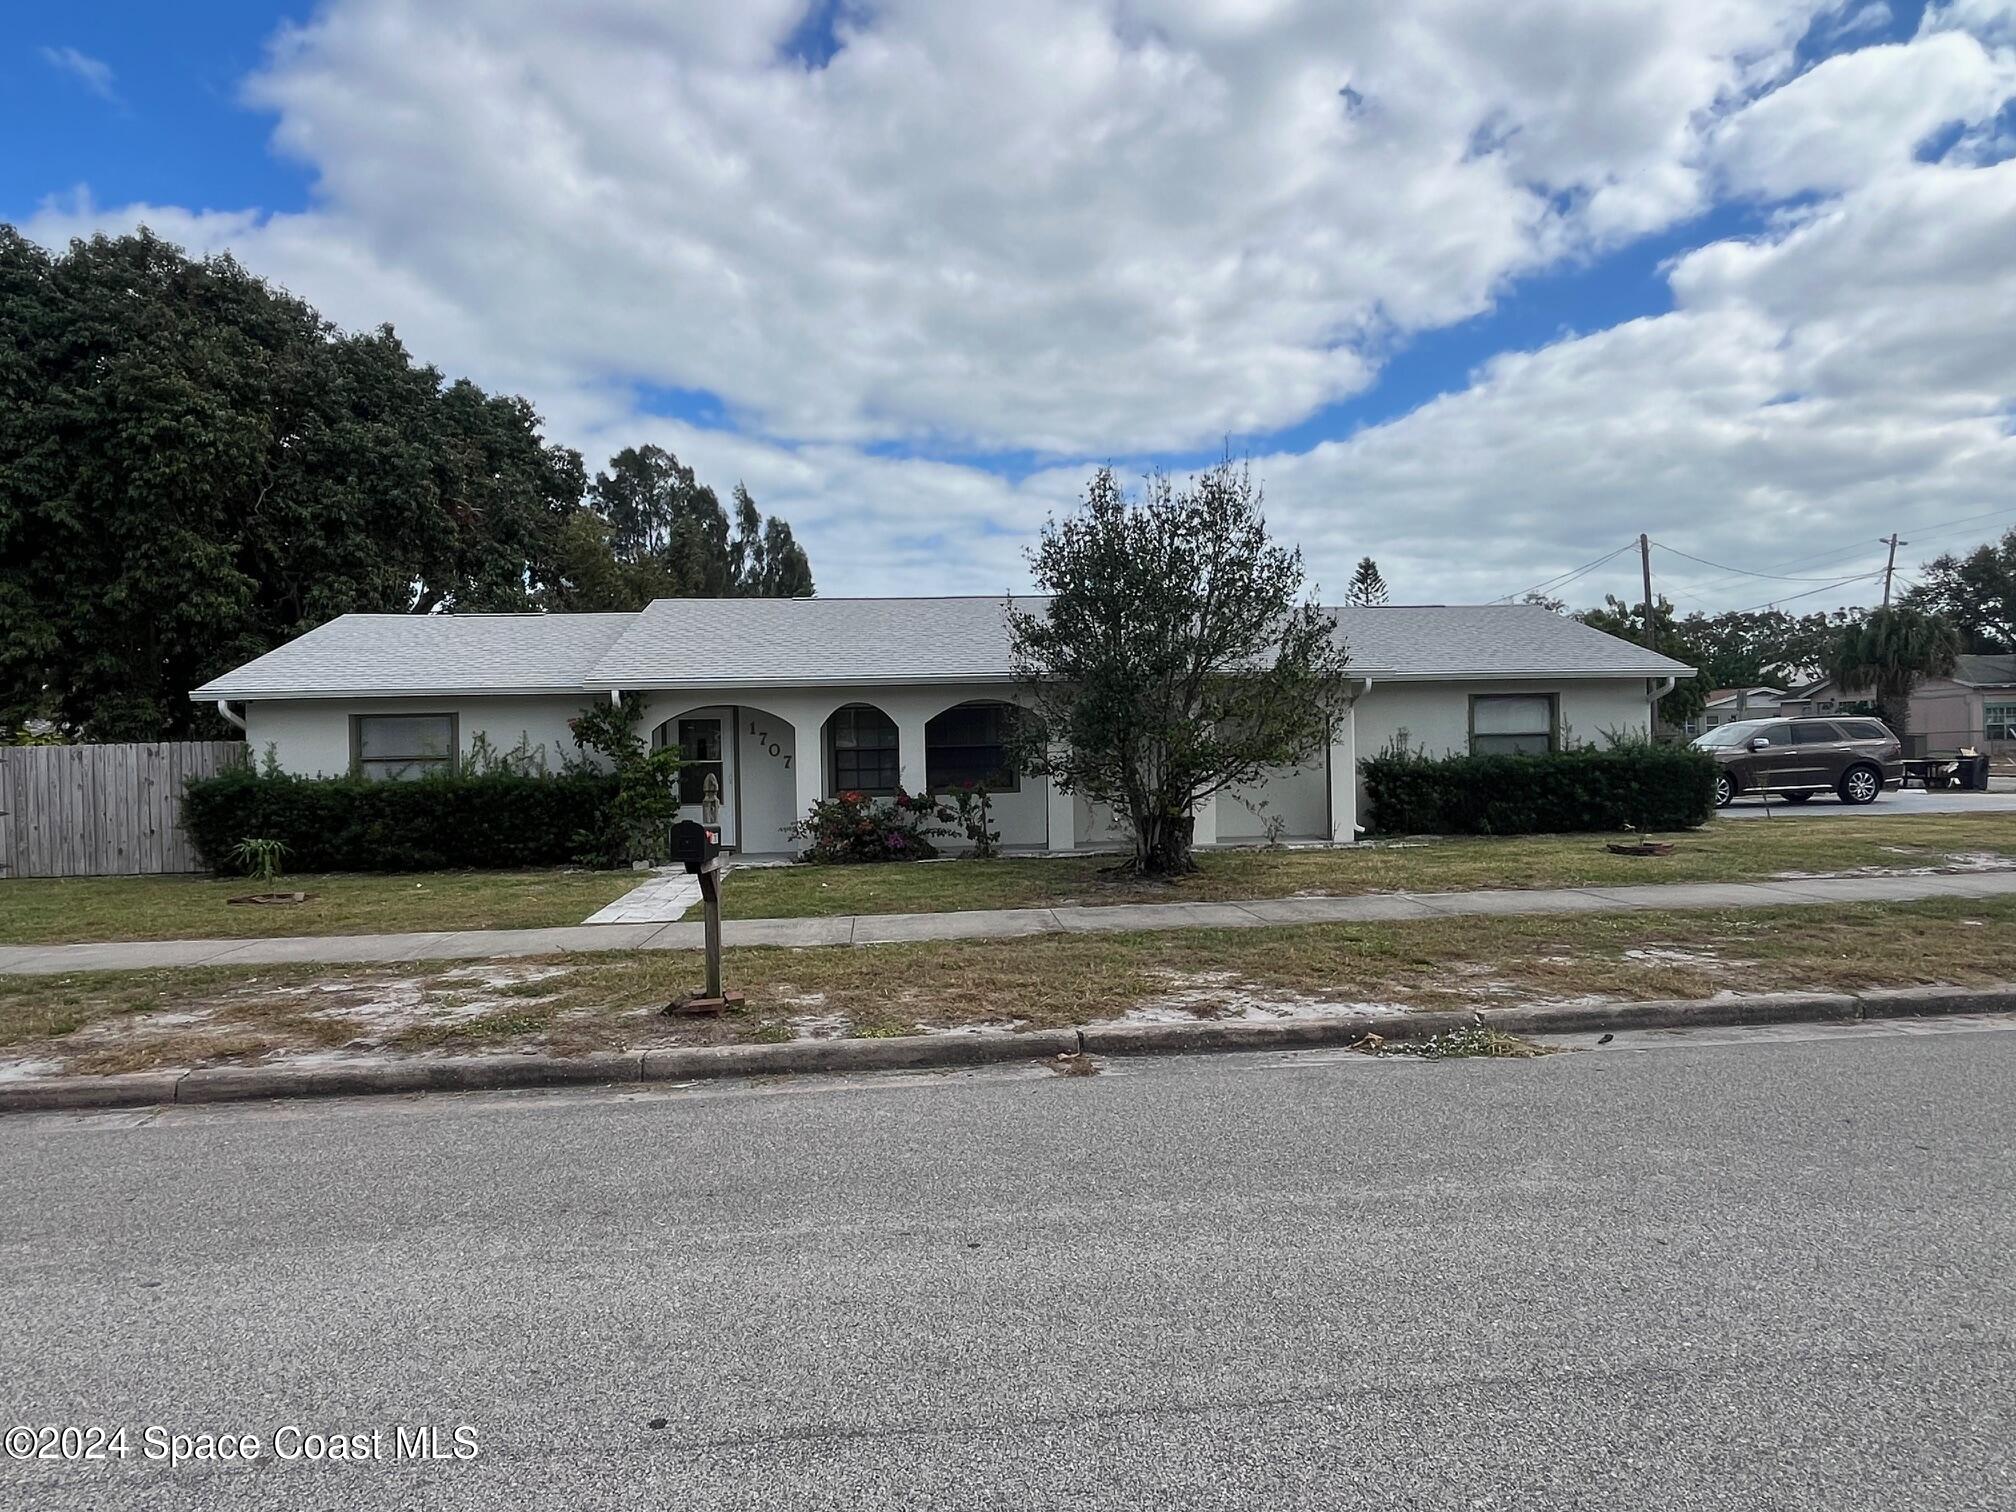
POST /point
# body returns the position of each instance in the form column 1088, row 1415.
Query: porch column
column 1204, row 822
column 1061, row 815
column 1344, row 778
column 910, row 751
column 808, row 769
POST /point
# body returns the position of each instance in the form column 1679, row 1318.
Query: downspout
column 224, row 708
column 1666, row 685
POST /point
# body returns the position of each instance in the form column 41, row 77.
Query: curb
column 912, row 1052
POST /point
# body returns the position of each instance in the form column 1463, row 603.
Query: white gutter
column 1665, row 686
column 224, row 708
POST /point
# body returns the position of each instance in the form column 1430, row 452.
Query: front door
column 706, row 769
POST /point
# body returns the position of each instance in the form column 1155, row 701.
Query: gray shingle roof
column 1985, row 671
column 428, row 653
column 680, row 642
column 793, row 642
column 1437, row 641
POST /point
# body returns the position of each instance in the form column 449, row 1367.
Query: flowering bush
column 973, row 812
column 855, row 827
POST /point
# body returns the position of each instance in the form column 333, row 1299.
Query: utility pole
column 1890, row 566
column 1645, row 561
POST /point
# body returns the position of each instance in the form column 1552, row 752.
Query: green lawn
column 1725, row 851
column 46, row 910
column 102, row 1022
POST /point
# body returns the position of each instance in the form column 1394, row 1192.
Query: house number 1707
column 763, row 739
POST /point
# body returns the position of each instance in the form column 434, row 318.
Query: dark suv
column 1852, row 755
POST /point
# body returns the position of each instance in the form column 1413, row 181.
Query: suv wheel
column 1725, row 790
column 1861, row 784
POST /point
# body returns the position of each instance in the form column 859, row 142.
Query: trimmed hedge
column 1631, row 787
column 349, row 824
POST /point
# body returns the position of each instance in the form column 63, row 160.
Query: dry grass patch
column 570, row 1005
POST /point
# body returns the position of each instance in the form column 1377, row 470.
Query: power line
column 1739, row 571
column 1860, row 577
column 1923, row 532
column 1562, row 580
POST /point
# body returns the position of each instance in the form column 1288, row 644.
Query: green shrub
column 1637, row 786
column 497, row 820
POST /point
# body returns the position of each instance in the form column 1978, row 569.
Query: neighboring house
column 1727, row 705
column 785, row 701
column 1975, row 707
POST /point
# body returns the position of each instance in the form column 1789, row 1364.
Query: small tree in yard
column 636, row 823
column 1176, row 658
column 1890, row 651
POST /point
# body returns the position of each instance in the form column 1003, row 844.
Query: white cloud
column 1099, row 231
column 94, row 73
column 1859, row 114
column 1052, row 226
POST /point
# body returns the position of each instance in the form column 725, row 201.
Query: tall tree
column 1367, row 586
column 1176, row 658
column 1891, row 651
column 1748, row 648
column 1976, row 594
column 659, row 510
column 768, row 561
column 195, row 466
column 1627, row 622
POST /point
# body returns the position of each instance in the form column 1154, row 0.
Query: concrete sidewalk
column 1001, row 923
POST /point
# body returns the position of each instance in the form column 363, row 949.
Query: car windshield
column 1729, row 734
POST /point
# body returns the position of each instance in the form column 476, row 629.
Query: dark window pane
column 700, row 739
column 1817, row 733
column 969, row 745
column 1511, row 745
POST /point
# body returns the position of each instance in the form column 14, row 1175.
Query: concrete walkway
column 1002, row 923
column 666, row 897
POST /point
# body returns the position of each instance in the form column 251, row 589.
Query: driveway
column 1908, row 801
column 1741, row 1270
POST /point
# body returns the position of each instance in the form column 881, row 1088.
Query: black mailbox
column 695, row 844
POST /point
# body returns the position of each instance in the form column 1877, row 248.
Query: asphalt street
column 1739, row 1270
column 1893, row 804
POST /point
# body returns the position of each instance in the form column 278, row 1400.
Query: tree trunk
column 1162, row 846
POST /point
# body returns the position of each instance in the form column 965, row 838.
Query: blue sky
column 898, row 268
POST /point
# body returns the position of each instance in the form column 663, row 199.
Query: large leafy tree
column 1627, row 622
column 1976, row 594
column 1752, row 647
column 195, row 466
column 1177, row 656
column 1890, row 651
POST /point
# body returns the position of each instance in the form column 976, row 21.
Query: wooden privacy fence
column 102, row 810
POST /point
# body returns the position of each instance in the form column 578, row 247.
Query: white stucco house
column 783, row 701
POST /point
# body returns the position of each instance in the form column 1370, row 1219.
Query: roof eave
column 210, row 694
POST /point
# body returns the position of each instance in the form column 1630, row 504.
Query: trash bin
column 1976, row 773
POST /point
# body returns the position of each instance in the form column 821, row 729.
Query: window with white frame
column 401, row 747
column 1999, row 721
column 1511, row 724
